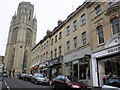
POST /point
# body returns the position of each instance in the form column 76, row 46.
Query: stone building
column 1, row 64
column 47, row 55
column 84, row 46
column 105, row 58
column 22, row 37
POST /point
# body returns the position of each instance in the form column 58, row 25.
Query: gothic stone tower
column 22, row 37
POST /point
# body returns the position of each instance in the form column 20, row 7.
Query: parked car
column 64, row 81
column 27, row 77
column 39, row 78
column 21, row 76
column 112, row 83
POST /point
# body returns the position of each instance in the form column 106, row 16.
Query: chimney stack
column 60, row 22
column 48, row 31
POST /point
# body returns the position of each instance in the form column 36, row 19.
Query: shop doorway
column 75, row 70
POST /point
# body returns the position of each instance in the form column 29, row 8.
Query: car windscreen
column 39, row 75
column 71, row 79
column 113, row 82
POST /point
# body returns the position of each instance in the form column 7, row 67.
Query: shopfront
column 43, row 68
column 34, row 68
column 77, row 65
column 106, row 61
column 55, row 67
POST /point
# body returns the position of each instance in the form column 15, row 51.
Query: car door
column 63, row 83
column 57, row 82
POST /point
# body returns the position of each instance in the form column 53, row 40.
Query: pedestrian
column 104, row 77
column 10, row 73
column 13, row 72
column 109, row 75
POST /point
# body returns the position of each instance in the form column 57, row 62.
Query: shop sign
column 113, row 50
column 43, row 65
column 56, row 61
column 36, row 67
column 31, row 69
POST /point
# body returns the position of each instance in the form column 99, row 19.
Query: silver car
column 112, row 83
column 39, row 78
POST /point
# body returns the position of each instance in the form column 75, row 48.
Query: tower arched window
column 28, row 39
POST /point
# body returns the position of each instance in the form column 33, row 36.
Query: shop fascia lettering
column 56, row 61
column 115, row 49
column 43, row 65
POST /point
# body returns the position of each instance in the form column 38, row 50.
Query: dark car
column 27, row 77
column 21, row 76
column 39, row 78
column 112, row 83
column 64, row 81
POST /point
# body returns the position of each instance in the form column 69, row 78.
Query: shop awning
column 32, row 66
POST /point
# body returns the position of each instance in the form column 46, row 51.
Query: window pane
column 75, row 24
column 98, row 10
column 84, row 38
column 100, row 34
column 115, row 25
column 68, row 30
column 83, row 19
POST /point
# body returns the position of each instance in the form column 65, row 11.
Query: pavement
column 96, row 88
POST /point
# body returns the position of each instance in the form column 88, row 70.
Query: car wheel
column 50, row 83
column 54, row 87
column 36, row 82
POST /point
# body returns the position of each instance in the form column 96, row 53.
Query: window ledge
column 101, row 44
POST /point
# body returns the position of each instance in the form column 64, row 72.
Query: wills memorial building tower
column 22, row 37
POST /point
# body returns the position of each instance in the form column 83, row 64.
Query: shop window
column 112, row 66
column 84, row 69
column 115, row 25
column 75, row 68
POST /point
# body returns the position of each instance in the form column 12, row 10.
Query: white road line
column 7, row 86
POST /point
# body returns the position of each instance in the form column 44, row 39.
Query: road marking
column 7, row 86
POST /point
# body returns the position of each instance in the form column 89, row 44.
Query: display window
column 84, row 69
column 108, row 67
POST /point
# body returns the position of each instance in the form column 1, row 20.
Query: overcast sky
column 48, row 12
